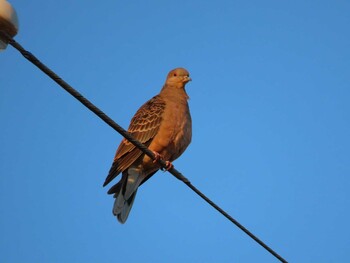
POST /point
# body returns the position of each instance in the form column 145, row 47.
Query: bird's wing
column 143, row 127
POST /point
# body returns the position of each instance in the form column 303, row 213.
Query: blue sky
column 270, row 108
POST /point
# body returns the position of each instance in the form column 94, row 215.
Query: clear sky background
column 270, row 102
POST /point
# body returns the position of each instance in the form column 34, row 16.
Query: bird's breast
column 175, row 132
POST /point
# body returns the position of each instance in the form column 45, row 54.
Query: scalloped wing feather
column 143, row 127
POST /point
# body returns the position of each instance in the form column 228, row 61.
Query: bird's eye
column 175, row 74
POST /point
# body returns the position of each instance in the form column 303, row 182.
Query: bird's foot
column 168, row 165
column 157, row 157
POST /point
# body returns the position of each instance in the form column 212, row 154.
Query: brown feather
column 143, row 127
column 163, row 124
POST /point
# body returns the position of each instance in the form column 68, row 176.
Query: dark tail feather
column 123, row 213
column 124, row 193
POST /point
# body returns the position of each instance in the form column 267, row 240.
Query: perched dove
column 164, row 125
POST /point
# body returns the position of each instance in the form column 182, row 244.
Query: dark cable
column 29, row 56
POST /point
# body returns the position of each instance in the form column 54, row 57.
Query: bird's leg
column 157, row 157
column 169, row 165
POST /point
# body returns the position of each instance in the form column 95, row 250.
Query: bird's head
column 178, row 77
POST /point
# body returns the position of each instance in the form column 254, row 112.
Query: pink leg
column 158, row 157
column 169, row 165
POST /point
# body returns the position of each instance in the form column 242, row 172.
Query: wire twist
column 29, row 56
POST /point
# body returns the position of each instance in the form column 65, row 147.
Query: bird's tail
column 124, row 193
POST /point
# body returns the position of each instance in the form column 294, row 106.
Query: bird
column 164, row 125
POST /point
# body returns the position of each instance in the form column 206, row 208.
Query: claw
column 169, row 165
column 157, row 157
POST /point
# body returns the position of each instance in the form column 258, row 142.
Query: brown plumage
column 164, row 125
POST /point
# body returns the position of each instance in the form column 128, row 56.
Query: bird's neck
column 173, row 91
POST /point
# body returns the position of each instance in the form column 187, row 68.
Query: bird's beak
column 187, row 79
